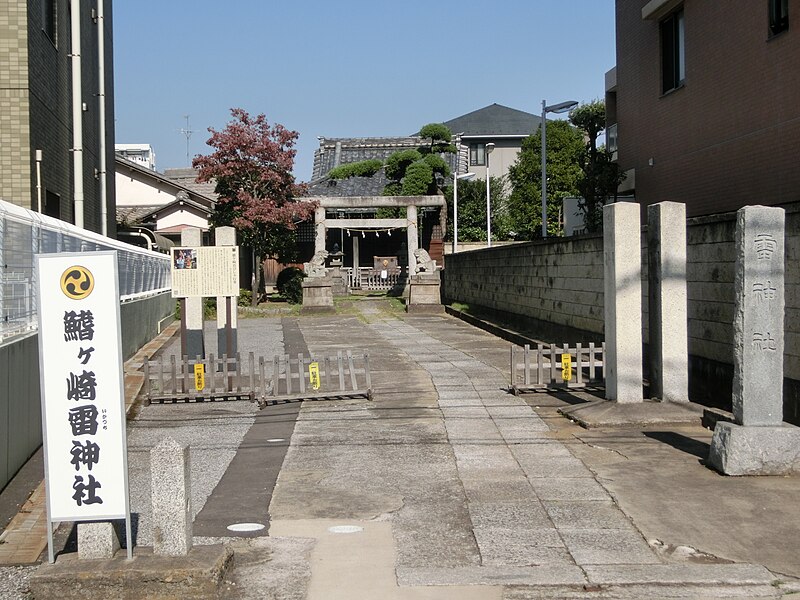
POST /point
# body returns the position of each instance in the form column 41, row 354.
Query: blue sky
column 347, row 68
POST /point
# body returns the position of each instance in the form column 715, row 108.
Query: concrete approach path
column 446, row 486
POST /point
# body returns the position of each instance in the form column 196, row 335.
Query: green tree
column 601, row 176
column 440, row 138
column 472, row 210
column 565, row 148
column 413, row 172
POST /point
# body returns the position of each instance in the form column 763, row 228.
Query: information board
column 205, row 271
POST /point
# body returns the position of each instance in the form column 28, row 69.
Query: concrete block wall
column 560, row 282
column 20, row 403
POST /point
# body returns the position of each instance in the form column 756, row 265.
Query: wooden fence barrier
column 196, row 379
column 316, row 378
column 345, row 375
column 544, row 368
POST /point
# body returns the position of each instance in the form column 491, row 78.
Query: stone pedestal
column 338, row 280
column 424, row 293
column 742, row 450
column 758, row 443
column 318, row 294
column 172, row 498
column 97, row 540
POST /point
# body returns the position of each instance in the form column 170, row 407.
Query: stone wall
column 558, row 284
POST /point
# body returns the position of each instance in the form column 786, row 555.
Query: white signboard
column 80, row 362
column 205, row 271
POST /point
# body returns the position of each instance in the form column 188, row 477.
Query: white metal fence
column 24, row 233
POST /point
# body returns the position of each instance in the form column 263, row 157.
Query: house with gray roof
column 502, row 126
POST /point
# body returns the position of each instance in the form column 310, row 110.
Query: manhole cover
column 345, row 529
column 244, row 527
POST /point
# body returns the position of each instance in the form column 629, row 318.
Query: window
column 49, row 19
column 778, row 16
column 477, row 154
column 673, row 65
column 52, row 204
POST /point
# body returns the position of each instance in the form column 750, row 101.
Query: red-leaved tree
column 252, row 167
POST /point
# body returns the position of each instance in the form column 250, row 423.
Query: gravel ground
column 14, row 582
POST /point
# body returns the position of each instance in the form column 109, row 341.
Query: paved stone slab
column 608, row 547
column 469, row 430
column 730, row 574
column 569, row 489
column 464, row 412
column 518, row 515
column 606, row 414
column 522, row 547
column 545, row 575
column 592, row 514
column 554, row 467
column 511, row 490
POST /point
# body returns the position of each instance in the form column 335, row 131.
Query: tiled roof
column 352, row 186
column 495, row 120
column 350, row 150
column 187, row 177
column 134, row 214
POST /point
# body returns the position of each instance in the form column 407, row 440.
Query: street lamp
column 464, row 176
column 487, row 151
column 561, row 107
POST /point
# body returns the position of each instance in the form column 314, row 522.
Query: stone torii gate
column 411, row 203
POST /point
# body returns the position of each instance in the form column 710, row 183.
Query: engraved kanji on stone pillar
column 758, row 316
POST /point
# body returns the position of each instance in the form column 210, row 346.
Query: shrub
column 398, row 162
column 245, row 297
column 418, row 179
column 437, row 164
column 364, row 168
column 290, row 286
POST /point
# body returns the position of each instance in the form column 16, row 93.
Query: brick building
column 703, row 102
column 36, row 107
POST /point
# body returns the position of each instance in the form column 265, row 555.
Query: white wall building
column 142, row 154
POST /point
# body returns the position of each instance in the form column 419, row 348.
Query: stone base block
column 196, row 575
column 742, row 450
column 97, row 540
column 317, row 293
column 424, row 290
column 427, row 309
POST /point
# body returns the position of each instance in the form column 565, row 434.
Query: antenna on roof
column 188, row 133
